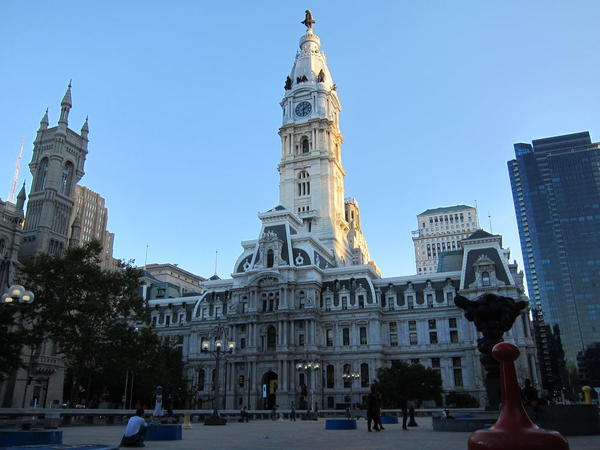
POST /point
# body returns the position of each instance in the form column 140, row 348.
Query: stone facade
column 441, row 230
column 57, row 164
column 306, row 289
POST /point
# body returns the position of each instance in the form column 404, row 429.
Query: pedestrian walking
column 292, row 412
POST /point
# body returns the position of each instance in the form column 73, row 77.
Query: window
column 347, row 380
column 181, row 317
column 67, row 178
column 41, row 175
column 432, row 324
column 363, row 335
column 305, row 146
column 458, row 378
column 243, row 343
column 485, row 278
column 412, row 332
column 167, row 321
column 330, row 376
column 454, row 336
column 452, row 322
column 301, row 340
column 345, row 336
column 364, row 375
column 393, row 334
column 329, row 336
column 435, row 363
column 330, row 402
column 433, row 337
column 361, row 301
column 449, row 296
column 270, row 258
column 154, row 320
column 271, row 338
column 303, row 184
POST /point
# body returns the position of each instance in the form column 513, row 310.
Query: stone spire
column 85, row 129
column 21, row 198
column 75, row 231
column 44, row 122
column 65, row 107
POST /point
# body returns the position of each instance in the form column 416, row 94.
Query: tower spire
column 65, row 107
column 44, row 122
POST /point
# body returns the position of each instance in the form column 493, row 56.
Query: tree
column 461, row 400
column 78, row 303
column 15, row 333
column 404, row 381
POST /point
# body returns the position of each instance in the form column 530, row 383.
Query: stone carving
column 492, row 315
column 321, row 76
column 308, row 20
column 288, row 83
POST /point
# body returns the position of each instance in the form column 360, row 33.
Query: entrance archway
column 269, row 386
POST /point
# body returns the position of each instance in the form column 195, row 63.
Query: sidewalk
column 266, row 434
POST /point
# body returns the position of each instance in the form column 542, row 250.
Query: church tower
column 56, row 165
column 311, row 173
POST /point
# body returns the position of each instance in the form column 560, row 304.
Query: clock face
column 303, row 109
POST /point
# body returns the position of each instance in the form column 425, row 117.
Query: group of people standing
column 374, row 410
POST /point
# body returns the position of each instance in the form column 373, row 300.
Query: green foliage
column 403, row 382
column 15, row 332
column 99, row 322
column 461, row 400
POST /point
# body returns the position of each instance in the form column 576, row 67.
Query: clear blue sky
column 183, row 99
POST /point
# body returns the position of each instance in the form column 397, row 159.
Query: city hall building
column 305, row 305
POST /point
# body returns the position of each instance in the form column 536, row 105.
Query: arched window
column 305, row 145
column 67, row 178
column 41, row 175
column 2, row 246
column 330, row 376
column 364, row 375
column 271, row 338
column 270, row 258
column 485, row 278
column 347, row 379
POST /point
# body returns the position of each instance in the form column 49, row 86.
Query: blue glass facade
column 556, row 191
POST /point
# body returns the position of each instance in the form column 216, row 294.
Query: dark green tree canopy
column 403, row 382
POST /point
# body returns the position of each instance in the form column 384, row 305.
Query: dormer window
column 485, row 279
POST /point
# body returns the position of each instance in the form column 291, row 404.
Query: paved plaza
column 266, row 434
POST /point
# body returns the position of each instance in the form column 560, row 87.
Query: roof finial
column 308, row 21
column 70, row 81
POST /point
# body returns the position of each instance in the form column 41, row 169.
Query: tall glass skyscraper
column 556, row 192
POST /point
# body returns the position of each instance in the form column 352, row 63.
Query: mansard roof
column 445, row 209
column 480, row 234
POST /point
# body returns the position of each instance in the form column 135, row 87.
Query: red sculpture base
column 513, row 430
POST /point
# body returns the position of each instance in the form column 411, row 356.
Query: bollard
column 587, row 395
column 513, row 430
column 187, row 422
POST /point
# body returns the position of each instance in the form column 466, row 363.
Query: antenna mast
column 15, row 180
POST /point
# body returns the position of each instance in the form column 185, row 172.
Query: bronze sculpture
column 308, row 20
column 492, row 315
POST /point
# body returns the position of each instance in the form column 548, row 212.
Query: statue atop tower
column 308, row 21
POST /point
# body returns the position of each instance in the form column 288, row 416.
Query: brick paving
column 298, row 435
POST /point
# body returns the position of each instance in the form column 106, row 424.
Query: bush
column 461, row 400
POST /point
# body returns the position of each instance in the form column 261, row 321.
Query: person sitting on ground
column 136, row 431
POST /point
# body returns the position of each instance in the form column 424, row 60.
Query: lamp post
column 17, row 294
column 350, row 376
column 308, row 366
column 218, row 352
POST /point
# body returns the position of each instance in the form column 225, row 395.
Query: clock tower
column 311, row 173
